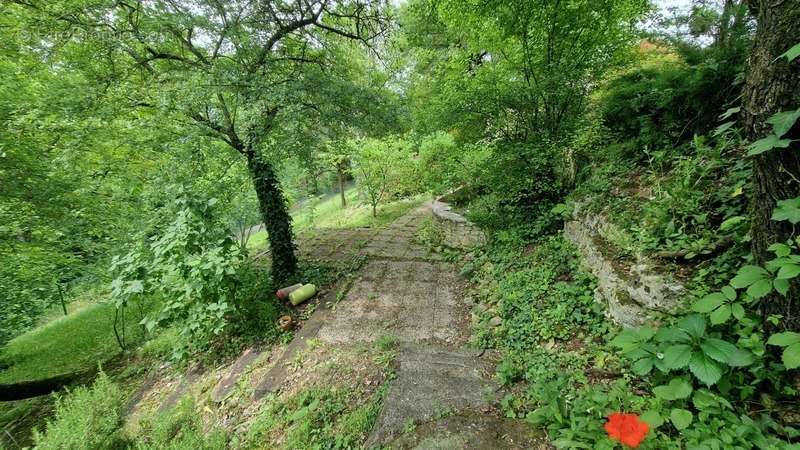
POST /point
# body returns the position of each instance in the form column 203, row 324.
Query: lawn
column 65, row 345
column 328, row 213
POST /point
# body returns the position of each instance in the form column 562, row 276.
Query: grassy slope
column 64, row 345
column 329, row 214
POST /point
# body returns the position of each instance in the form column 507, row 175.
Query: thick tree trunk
column 277, row 220
column 773, row 85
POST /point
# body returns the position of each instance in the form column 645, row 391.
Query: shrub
column 197, row 270
column 86, row 418
column 665, row 101
column 520, row 186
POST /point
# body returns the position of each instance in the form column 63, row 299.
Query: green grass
column 329, row 213
column 65, row 345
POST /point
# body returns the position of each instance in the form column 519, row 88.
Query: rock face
column 458, row 231
column 633, row 294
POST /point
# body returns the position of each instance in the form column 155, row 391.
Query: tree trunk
column 773, row 85
column 276, row 217
column 341, row 186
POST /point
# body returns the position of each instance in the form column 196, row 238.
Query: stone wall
column 634, row 293
column 458, row 231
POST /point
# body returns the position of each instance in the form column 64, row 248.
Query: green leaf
column 135, row 287
column 629, row 339
column 782, row 122
column 788, row 209
column 791, row 356
column 748, row 275
column 653, row 418
column 788, row 271
column 709, row 303
column 693, row 324
column 792, row 53
column 677, row 356
column 569, row 443
column 729, row 112
column 732, row 222
column 681, row 418
column 149, row 324
column 723, row 128
column 672, row 334
column 718, row 349
column 784, row 339
column 766, row 144
column 721, row 314
column 741, row 358
column 676, row 389
column 780, row 250
column 782, row 286
column 760, row 288
column 729, row 292
column 642, row 366
column 738, row 311
column 704, row 368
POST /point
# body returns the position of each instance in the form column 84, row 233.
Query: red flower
column 627, row 428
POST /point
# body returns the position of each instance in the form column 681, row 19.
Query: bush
column 85, row 419
column 520, row 186
column 198, row 271
column 664, row 101
column 445, row 165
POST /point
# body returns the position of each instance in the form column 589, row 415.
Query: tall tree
column 235, row 69
column 773, row 85
column 516, row 70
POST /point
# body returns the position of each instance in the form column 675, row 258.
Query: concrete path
column 443, row 394
column 412, row 295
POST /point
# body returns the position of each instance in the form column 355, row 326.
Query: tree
column 337, row 155
column 374, row 160
column 237, row 70
column 513, row 70
column 772, row 86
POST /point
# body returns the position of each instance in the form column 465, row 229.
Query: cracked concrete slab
column 431, row 382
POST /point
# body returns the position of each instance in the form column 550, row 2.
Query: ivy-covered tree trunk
column 773, row 85
column 277, row 220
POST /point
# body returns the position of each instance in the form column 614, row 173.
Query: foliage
column 85, row 418
column 377, row 165
column 445, row 165
column 324, row 418
column 520, row 185
column 179, row 428
column 509, row 70
column 71, row 190
column 663, row 100
column 542, row 297
column 193, row 266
